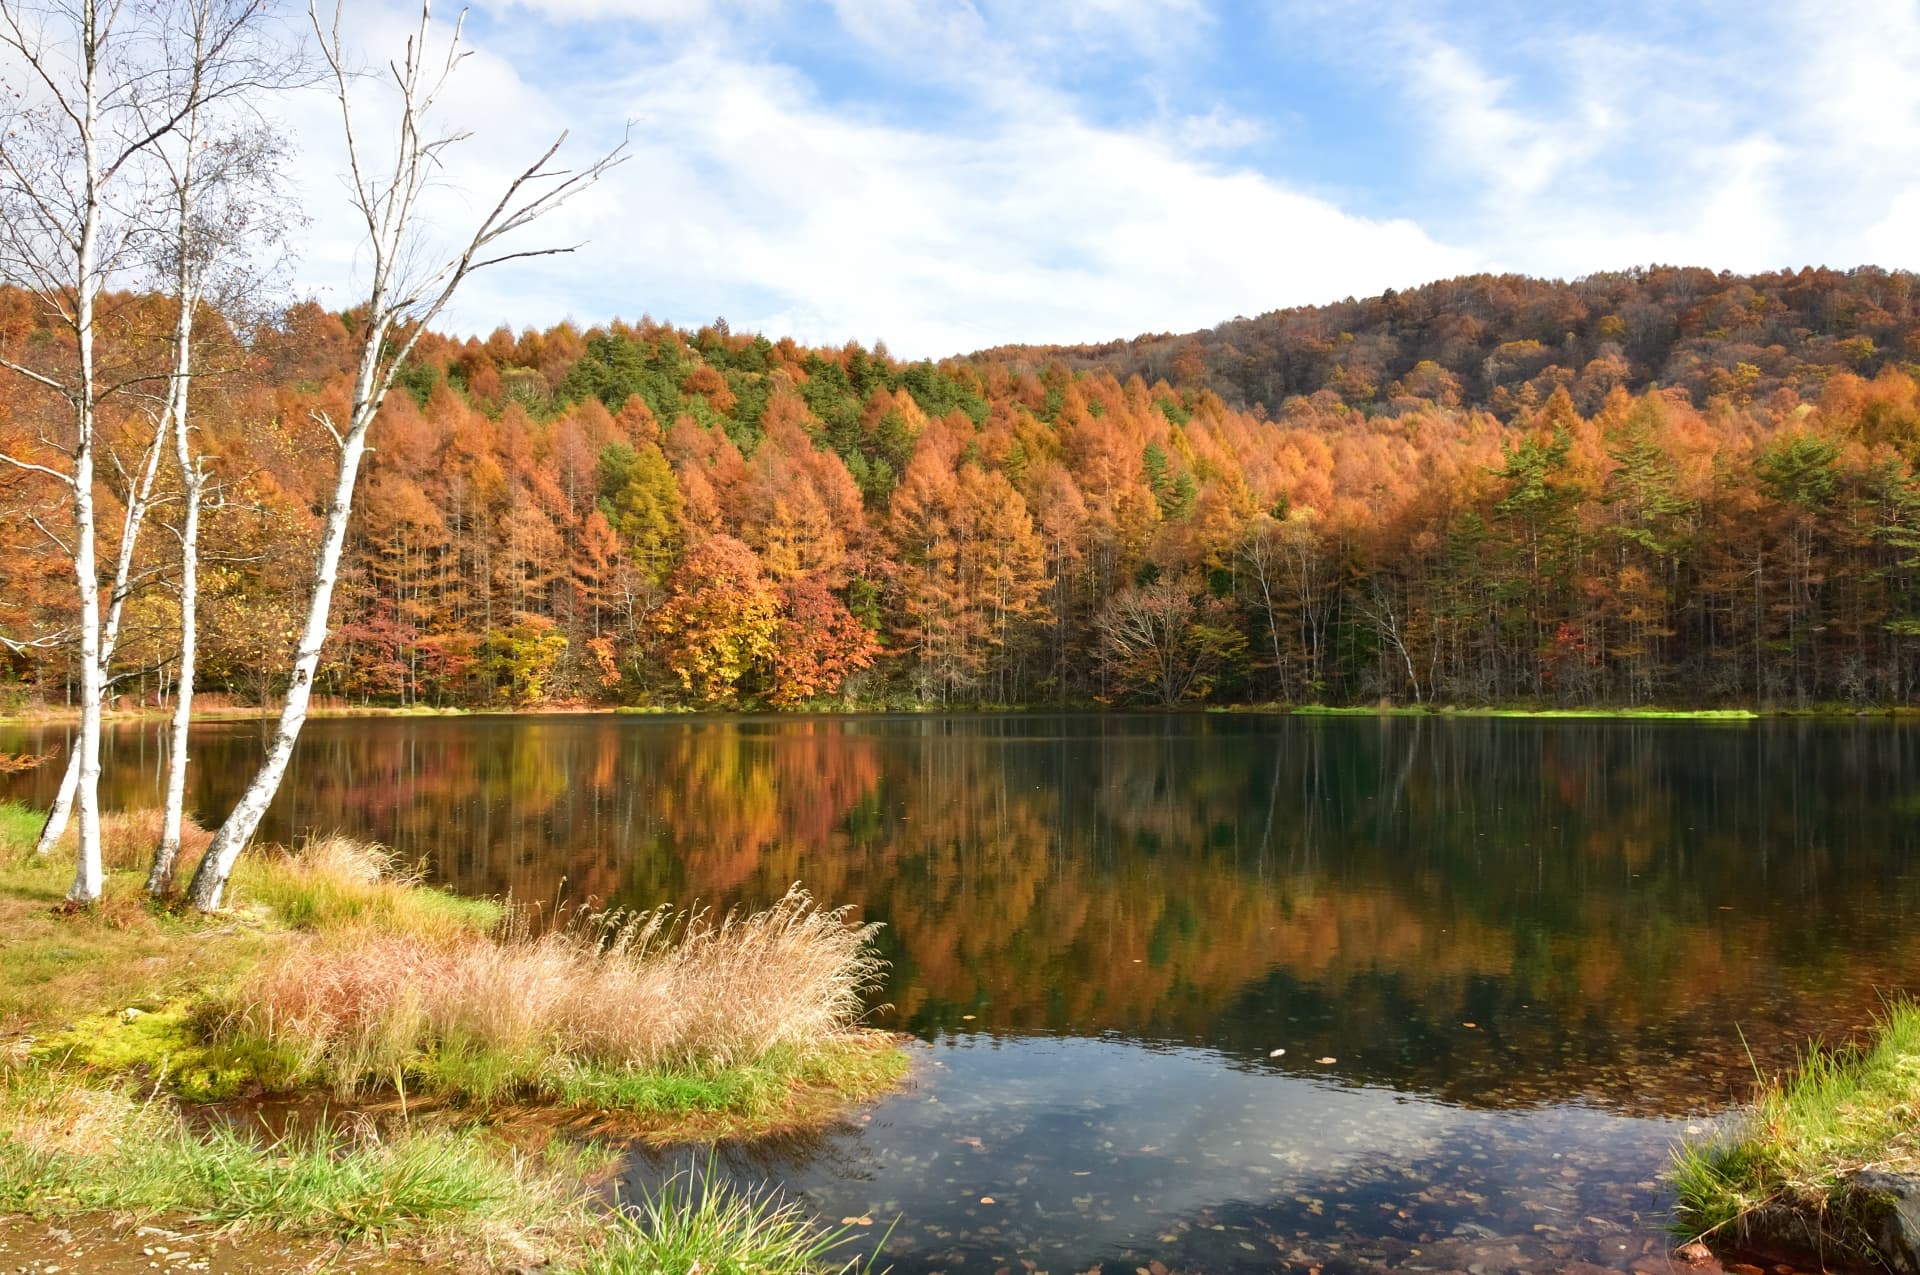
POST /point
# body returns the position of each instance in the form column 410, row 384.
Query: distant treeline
column 1667, row 485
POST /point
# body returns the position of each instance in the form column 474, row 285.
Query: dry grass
column 43, row 1118
column 336, row 881
column 660, row 991
column 128, row 839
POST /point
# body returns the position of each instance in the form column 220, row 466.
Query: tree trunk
column 210, row 879
column 88, row 877
column 56, row 823
column 160, row 879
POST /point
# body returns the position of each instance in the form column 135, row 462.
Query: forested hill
column 1502, row 342
column 1484, row 497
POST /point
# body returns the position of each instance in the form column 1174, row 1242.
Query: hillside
column 1670, row 487
column 1502, row 342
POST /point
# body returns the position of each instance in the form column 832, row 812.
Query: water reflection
column 1560, row 920
column 1062, row 1153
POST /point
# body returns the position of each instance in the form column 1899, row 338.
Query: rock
column 1888, row 1206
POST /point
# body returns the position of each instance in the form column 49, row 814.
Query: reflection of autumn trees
column 1594, row 894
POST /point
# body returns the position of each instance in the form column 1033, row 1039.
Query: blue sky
column 952, row 174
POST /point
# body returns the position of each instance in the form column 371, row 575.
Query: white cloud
column 1218, row 130
column 1605, row 142
column 1032, row 209
column 1032, row 228
column 749, row 194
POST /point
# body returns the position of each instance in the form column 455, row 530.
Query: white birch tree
column 408, row 289
column 99, row 91
column 220, row 170
column 69, row 143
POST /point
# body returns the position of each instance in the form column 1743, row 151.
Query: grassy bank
column 1598, row 714
column 1782, row 1174
column 229, row 713
column 429, row 1020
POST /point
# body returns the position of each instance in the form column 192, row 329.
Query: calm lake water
column 1509, row 963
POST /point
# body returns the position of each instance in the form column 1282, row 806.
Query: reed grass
column 610, row 1010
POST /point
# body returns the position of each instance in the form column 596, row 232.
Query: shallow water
column 1527, row 949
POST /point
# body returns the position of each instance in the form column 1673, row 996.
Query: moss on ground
column 116, row 1010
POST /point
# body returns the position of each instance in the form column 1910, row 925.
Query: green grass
column 1410, row 710
column 318, row 900
column 788, row 1086
column 68, row 1147
column 1794, row 1149
column 19, row 829
column 699, row 1224
column 127, row 1006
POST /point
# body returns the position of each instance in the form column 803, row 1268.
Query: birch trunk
column 210, row 878
column 89, row 876
column 139, row 502
column 403, row 294
column 193, row 482
column 160, row 879
column 56, row 823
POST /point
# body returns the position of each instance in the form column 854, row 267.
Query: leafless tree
column 224, row 210
column 408, row 288
column 1293, row 571
column 74, row 133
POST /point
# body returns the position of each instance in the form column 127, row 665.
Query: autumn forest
column 1664, row 486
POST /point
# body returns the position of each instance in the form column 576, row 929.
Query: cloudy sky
column 951, row 174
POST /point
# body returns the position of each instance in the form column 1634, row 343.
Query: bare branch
column 32, row 468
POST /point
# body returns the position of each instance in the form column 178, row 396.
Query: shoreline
column 65, row 716
column 1822, row 1166
column 157, row 1064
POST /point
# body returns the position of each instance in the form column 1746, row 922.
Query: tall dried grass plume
column 623, row 992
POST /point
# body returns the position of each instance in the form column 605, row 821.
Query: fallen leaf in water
column 856, row 1221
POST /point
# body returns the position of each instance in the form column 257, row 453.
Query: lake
column 1210, row 992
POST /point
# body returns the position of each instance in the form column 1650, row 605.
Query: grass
column 19, row 828
column 459, row 1193
column 1785, row 1162
column 1412, row 710
column 121, row 954
column 337, row 883
column 696, row 1224
column 655, row 1014
column 73, row 1147
column 338, row 966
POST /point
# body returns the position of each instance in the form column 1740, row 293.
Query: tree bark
column 210, row 878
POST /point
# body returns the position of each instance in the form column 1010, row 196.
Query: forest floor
column 1825, row 1162
column 173, row 1097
